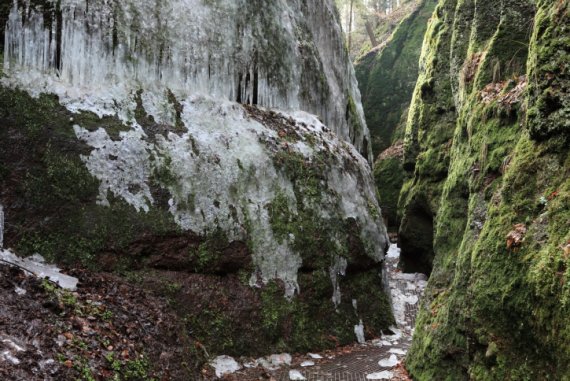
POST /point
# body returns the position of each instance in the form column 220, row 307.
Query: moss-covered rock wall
column 388, row 73
column 487, row 154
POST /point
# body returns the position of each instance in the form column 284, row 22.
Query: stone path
column 375, row 360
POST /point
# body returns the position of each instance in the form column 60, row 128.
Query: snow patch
column 37, row 266
column 385, row 375
column 389, row 362
column 275, row 361
column 225, row 365
column 295, row 375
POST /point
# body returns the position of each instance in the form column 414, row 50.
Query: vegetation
column 484, row 151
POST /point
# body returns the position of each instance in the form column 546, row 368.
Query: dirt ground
column 106, row 330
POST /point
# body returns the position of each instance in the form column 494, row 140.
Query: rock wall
column 291, row 56
column 388, row 73
column 387, row 76
column 124, row 149
column 487, row 153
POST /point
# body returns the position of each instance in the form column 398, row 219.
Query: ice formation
column 359, row 332
column 93, row 54
column 224, row 365
column 274, row 362
column 237, row 153
column 37, row 266
column 384, row 375
column 388, row 362
column 295, row 375
column 189, row 69
column 338, row 269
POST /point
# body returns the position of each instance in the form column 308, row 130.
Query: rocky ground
column 105, row 330
column 110, row 329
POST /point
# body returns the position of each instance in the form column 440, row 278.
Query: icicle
column 226, row 50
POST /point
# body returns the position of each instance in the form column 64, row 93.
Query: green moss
column 42, row 163
column 209, row 251
column 387, row 77
column 389, row 179
column 492, row 311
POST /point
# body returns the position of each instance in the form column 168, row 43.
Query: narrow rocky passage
column 379, row 359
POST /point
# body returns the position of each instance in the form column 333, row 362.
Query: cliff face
column 487, row 152
column 387, row 75
column 137, row 136
column 291, row 56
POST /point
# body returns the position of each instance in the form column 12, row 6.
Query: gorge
column 220, row 183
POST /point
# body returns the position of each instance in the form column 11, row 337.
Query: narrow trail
column 378, row 359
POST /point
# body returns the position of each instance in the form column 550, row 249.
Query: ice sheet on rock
column 305, row 364
column 315, row 356
column 109, row 49
column 359, row 332
column 385, row 375
column 224, row 365
column 336, row 270
column 295, row 375
column 388, row 362
column 122, row 166
column 206, row 68
column 35, row 265
column 221, row 140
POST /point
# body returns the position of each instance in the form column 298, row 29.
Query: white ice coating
column 295, row 375
column 224, row 365
column 384, row 375
column 288, row 55
column 400, row 299
column 221, row 170
column 359, row 332
column 235, row 151
column 336, row 270
column 389, row 362
column 37, row 266
column 122, row 166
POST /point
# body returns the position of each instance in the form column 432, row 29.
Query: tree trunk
column 370, row 31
